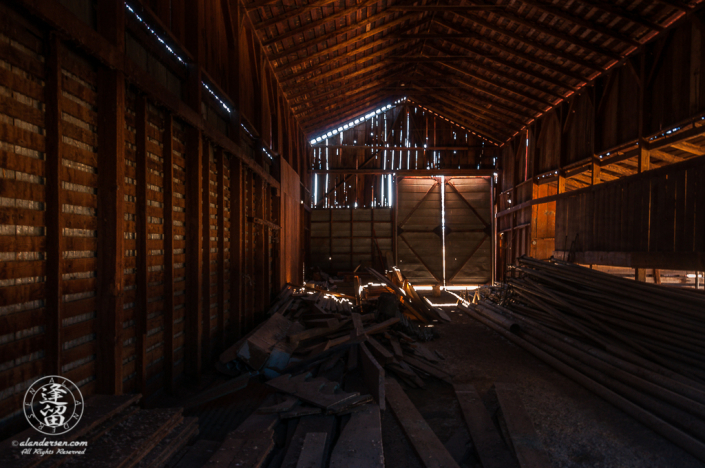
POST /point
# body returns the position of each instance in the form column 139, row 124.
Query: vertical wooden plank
column 679, row 226
column 237, row 231
column 699, row 211
column 251, row 289
column 206, row 220
column 54, row 237
column 688, row 227
column 220, row 164
column 194, row 254
column 111, row 227
column 141, row 279
column 168, row 155
column 277, row 247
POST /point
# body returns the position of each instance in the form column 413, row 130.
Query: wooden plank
column 168, row 278
column 307, row 424
column 430, row 450
column 526, row 442
column 111, row 228
column 373, row 375
column 141, row 277
column 194, row 254
column 360, row 442
column 492, row 451
column 54, row 237
column 206, row 200
column 313, row 450
column 220, row 163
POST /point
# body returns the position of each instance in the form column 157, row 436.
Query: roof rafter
column 490, row 42
column 354, row 40
column 495, row 135
column 287, row 79
column 527, row 114
column 314, row 24
column 287, row 15
column 515, row 79
column 484, row 23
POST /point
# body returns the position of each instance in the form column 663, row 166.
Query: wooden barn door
column 419, row 239
column 468, row 229
column 431, row 205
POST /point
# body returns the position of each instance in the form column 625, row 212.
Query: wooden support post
column 644, row 156
column 220, row 165
column 194, row 254
column 595, row 171
column 193, row 318
column 111, row 205
column 276, row 246
column 206, row 220
column 657, row 276
column 54, row 235
column 251, row 283
column 168, row 156
column 260, row 265
column 141, row 280
column 640, row 274
column 237, row 233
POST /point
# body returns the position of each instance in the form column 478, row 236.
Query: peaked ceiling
column 493, row 66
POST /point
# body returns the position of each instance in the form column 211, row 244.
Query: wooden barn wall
column 290, row 245
column 652, row 219
column 656, row 89
column 403, row 125
column 139, row 223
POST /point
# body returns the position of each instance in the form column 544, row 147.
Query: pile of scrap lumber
column 639, row 346
column 413, row 306
column 118, row 434
column 307, row 327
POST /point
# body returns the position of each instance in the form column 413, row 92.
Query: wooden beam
column 469, row 96
column 589, row 24
column 193, row 320
column 336, row 33
column 494, row 118
column 168, row 156
column 141, row 231
column 495, row 135
column 206, row 200
column 338, row 114
column 482, row 22
column 54, row 213
column 360, row 38
column 220, row 165
column 451, row 39
column 316, row 83
column 237, row 230
column 320, row 22
column 529, row 84
column 289, row 78
column 444, row 8
column 623, row 13
column 528, row 110
column 111, row 205
column 288, row 14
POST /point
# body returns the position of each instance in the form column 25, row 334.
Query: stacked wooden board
column 638, row 346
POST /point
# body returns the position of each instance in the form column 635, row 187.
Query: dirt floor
column 577, row 428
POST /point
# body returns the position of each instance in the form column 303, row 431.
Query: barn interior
column 354, row 233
